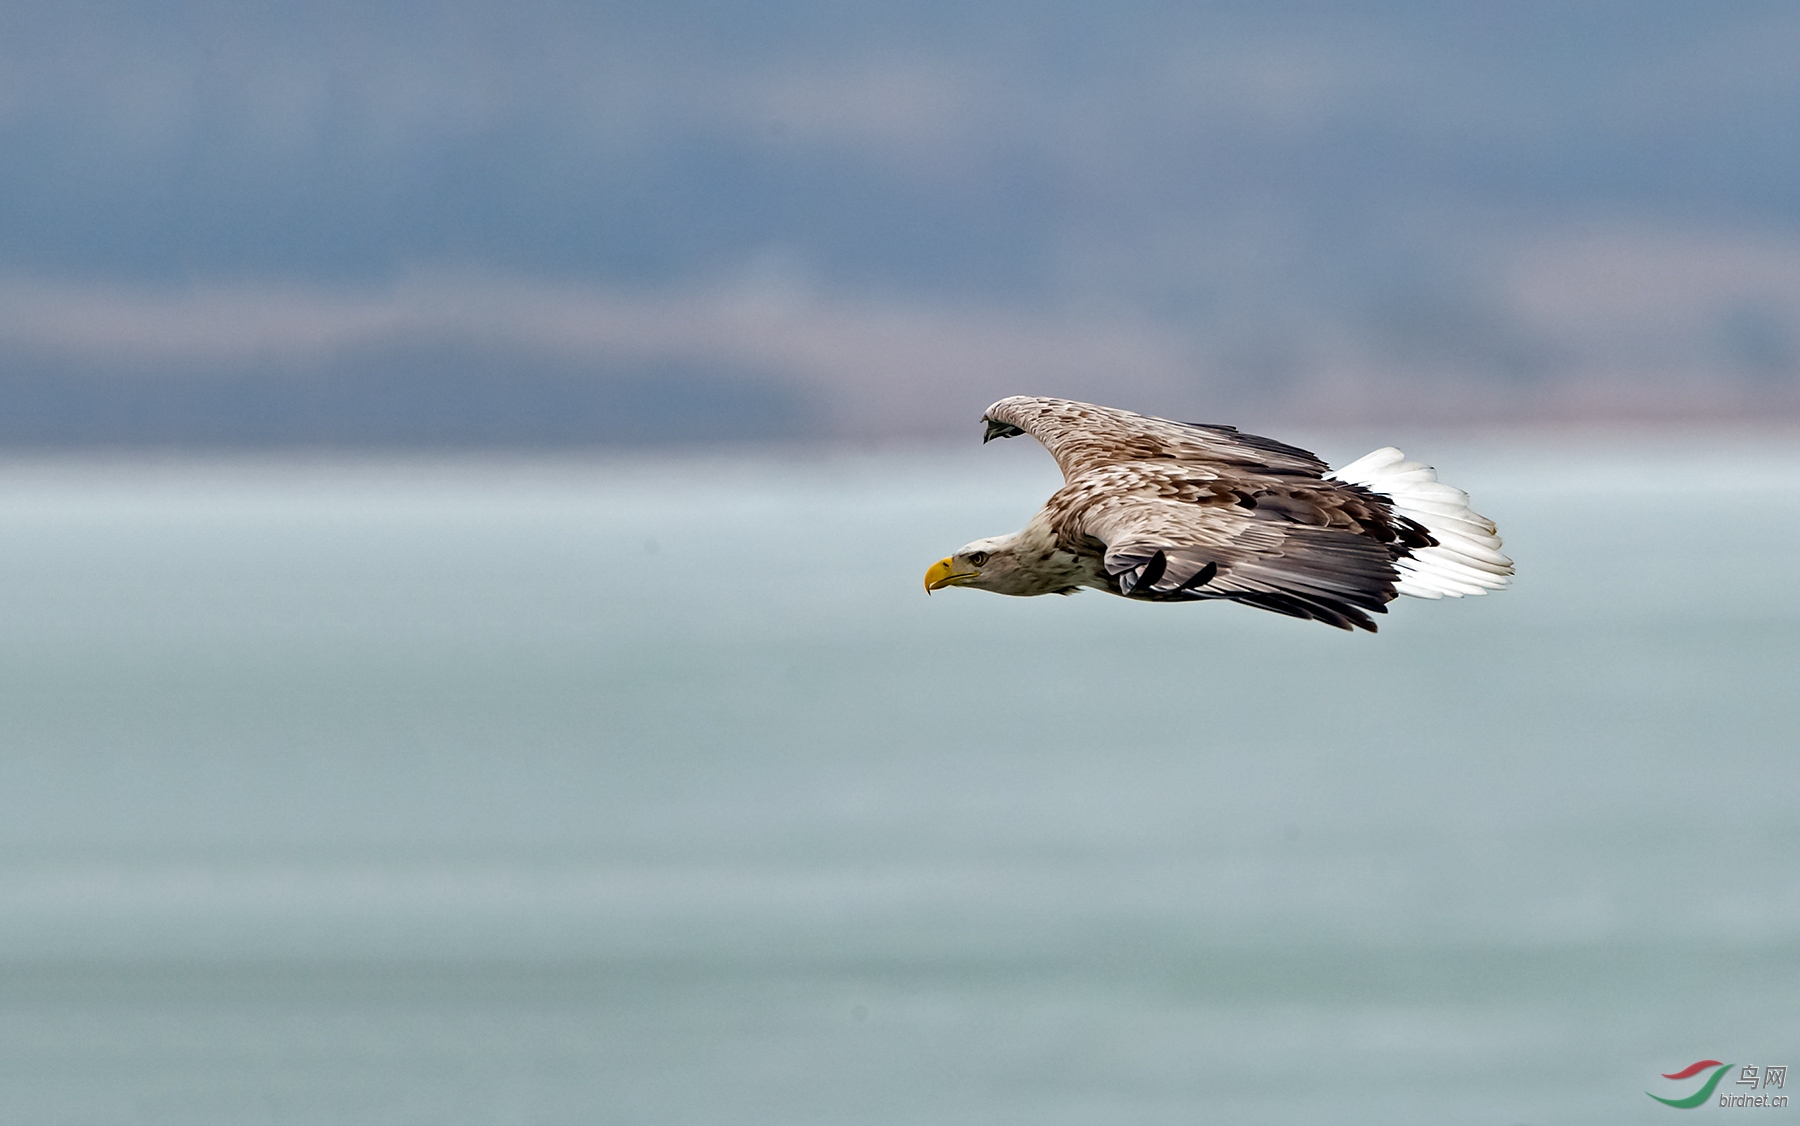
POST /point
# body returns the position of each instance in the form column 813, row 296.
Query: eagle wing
column 1174, row 531
column 1083, row 436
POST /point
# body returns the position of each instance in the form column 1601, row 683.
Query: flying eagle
column 1181, row 512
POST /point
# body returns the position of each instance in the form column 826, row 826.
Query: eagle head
column 1004, row 565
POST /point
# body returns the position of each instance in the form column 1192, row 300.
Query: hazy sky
column 892, row 212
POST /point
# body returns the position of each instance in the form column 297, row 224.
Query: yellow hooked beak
column 943, row 573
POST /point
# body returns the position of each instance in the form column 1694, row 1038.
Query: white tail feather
column 1467, row 559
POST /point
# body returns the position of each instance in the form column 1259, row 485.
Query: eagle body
column 1167, row 511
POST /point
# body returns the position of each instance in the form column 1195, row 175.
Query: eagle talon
column 1201, row 577
column 1151, row 574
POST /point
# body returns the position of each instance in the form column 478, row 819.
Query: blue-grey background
column 466, row 471
column 657, row 790
column 370, row 224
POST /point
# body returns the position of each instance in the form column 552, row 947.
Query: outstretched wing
column 1083, row 436
column 1172, row 532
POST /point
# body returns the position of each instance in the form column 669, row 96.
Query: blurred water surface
column 657, row 791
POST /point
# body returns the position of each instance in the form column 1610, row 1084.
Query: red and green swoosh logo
column 1688, row 1072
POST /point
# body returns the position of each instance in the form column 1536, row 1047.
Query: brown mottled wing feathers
column 1082, row 436
column 1183, row 512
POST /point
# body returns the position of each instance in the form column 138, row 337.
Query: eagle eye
column 978, row 557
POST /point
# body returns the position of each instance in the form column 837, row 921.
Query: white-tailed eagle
column 1181, row 512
